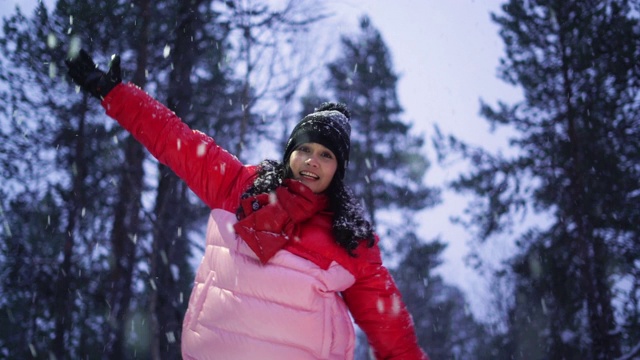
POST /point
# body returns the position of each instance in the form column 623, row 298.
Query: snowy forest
column 99, row 242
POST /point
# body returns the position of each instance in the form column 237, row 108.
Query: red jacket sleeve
column 210, row 171
column 377, row 307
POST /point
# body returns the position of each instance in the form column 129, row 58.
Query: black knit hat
column 329, row 126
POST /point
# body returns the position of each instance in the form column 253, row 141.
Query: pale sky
column 446, row 53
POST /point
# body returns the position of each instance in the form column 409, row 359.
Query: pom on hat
column 329, row 126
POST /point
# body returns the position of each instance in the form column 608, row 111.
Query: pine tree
column 54, row 208
column 577, row 137
column 387, row 167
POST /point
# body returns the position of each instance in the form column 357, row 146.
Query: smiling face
column 314, row 165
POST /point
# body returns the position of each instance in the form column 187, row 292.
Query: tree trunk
column 590, row 248
column 64, row 286
column 166, row 318
column 126, row 222
column 246, row 101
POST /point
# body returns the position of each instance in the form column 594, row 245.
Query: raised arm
column 210, row 171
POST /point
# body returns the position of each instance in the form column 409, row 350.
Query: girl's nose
column 311, row 161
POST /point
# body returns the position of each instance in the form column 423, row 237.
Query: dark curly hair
column 349, row 225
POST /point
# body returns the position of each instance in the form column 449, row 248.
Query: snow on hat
column 329, row 126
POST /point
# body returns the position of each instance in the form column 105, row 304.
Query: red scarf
column 270, row 220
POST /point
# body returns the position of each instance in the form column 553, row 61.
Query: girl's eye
column 303, row 148
column 327, row 155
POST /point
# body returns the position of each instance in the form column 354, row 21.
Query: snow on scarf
column 270, row 221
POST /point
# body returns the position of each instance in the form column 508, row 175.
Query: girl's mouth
column 309, row 175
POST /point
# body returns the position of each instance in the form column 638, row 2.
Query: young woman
column 288, row 252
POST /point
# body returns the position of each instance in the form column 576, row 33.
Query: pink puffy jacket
column 286, row 309
column 294, row 307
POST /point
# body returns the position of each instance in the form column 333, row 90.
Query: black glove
column 86, row 74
